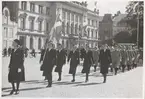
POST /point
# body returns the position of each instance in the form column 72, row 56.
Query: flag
column 55, row 33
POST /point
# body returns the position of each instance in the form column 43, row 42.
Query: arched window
column 31, row 43
column 39, row 43
column 6, row 15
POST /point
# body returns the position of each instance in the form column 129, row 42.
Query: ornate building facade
column 74, row 17
column 36, row 18
column 9, row 29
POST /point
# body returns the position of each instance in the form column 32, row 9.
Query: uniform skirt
column 15, row 76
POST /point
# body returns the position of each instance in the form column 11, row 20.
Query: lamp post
column 138, row 25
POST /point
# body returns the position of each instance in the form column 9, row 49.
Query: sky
column 108, row 6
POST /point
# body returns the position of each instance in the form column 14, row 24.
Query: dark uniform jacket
column 73, row 57
column 49, row 61
column 88, row 61
column 104, row 60
column 60, row 60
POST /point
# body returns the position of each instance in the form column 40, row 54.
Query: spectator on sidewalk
column 16, row 67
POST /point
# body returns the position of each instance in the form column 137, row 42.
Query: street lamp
column 138, row 25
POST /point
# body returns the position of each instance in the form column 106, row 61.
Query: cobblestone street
column 123, row 85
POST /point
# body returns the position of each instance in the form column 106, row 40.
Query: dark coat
column 16, row 61
column 104, row 60
column 74, row 61
column 60, row 60
column 42, row 55
column 48, row 62
column 88, row 61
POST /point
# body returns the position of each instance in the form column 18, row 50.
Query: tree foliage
column 135, row 10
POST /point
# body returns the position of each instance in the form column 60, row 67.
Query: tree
column 123, row 37
column 134, row 16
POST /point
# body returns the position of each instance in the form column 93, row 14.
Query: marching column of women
column 104, row 58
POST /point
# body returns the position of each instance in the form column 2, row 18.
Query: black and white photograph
column 72, row 49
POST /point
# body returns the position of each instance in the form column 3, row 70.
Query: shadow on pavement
column 26, row 89
column 65, row 83
column 6, row 95
column 6, row 88
column 87, row 84
column 33, row 81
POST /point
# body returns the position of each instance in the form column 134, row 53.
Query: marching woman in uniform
column 104, row 61
column 73, row 57
column 124, row 57
column 130, row 58
column 16, row 66
column 88, row 61
column 48, row 63
column 60, row 60
column 115, row 59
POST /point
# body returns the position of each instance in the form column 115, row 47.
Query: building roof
column 107, row 17
column 118, row 18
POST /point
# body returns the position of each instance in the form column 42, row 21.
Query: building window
column 92, row 33
column 63, row 27
column 10, row 32
column 76, row 18
column 92, row 22
column 47, row 26
column 80, row 19
column 88, row 21
column 72, row 28
column 23, row 5
column 67, row 28
column 40, row 26
column 96, row 23
column 31, row 25
column 31, row 43
column 68, row 16
column 32, row 7
column 22, row 23
column 39, row 43
column 47, row 11
column 40, row 9
column 5, row 32
column 72, row 17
